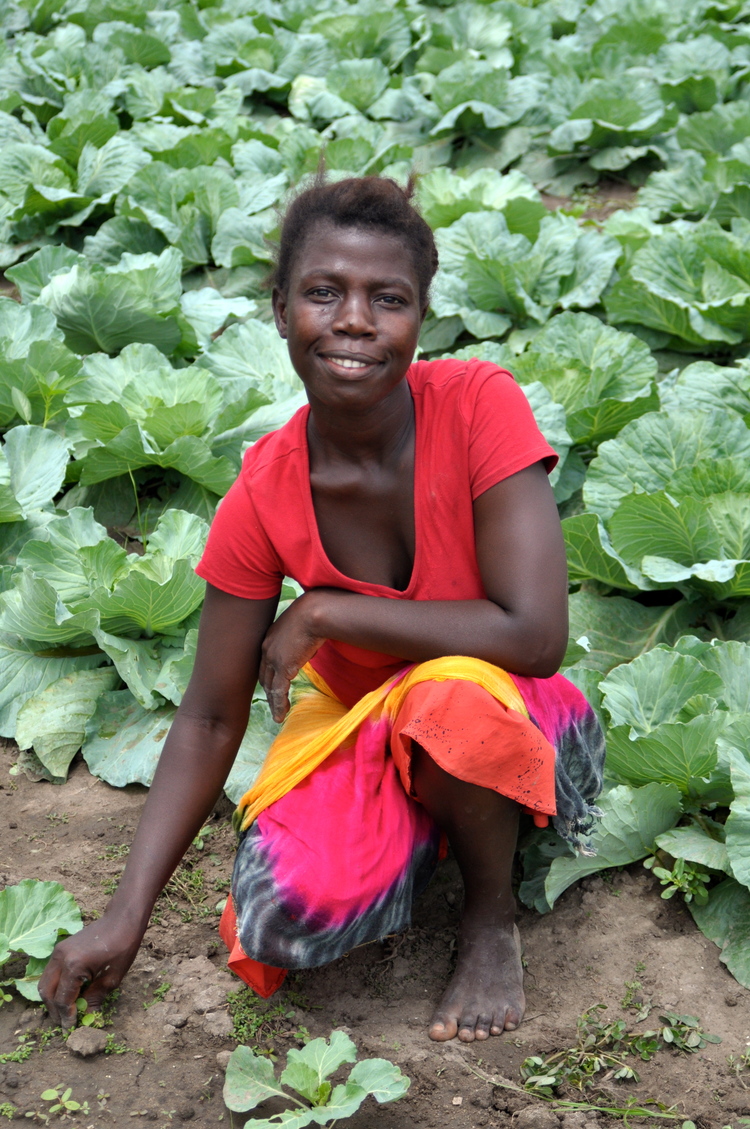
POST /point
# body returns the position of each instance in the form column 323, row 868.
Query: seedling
column 7, row 1109
column 199, row 842
column 158, row 995
column 62, row 1105
column 687, row 878
column 250, row 1080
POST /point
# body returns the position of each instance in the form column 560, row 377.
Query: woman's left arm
column 522, row 626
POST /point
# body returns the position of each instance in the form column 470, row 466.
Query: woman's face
column 351, row 315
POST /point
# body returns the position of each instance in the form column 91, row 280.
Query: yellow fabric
column 318, row 723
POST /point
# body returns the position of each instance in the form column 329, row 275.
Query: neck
column 375, row 433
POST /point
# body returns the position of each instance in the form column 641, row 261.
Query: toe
column 482, row 1029
column 442, row 1029
column 512, row 1019
column 467, row 1028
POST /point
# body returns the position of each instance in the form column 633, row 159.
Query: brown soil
column 601, row 935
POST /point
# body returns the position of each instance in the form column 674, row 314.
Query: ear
column 278, row 302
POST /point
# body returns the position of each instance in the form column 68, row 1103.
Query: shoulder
column 463, row 382
column 276, row 451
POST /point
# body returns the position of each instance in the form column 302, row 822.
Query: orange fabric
column 262, row 978
column 477, row 738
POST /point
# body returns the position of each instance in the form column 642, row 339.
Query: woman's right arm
column 195, row 762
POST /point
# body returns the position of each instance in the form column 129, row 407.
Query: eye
column 391, row 300
column 320, row 292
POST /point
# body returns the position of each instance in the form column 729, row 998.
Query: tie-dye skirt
column 333, row 845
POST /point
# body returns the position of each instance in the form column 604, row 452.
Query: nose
column 354, row 316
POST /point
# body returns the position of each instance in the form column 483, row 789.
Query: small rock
column 575, row 1120
column 208, row 999
column 13, row 826
column 218, row 1023
column 176, row 1019
column 223, row 1058
column 458, row 1100
column 185, row 1112
column 537, row 1117
column 731, row 1001
column 86, row 1042
column 400, row 968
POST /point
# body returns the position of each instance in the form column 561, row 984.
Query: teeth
column 348, row 362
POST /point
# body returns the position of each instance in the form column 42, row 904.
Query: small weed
column 115, row 1048
column 599, row 1047
column 633, row 1001
column 188, row 886
column 7, row 1109
column 640, row 967
column 740, row 1063
column 256, row 1022
column 30, row 1041
column 115, row 851
column 604, row 1047
column 109, row 885
column 158, row 994
column 685, row 1033
column 56, row 818
column 686, row 878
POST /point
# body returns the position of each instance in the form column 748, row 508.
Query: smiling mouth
column 351, row 363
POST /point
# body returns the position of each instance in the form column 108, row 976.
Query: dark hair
column 362, row 201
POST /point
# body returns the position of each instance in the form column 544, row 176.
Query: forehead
column 363, row 251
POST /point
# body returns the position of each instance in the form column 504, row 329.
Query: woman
column 411, row 502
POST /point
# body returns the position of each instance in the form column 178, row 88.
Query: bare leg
column 485, row 996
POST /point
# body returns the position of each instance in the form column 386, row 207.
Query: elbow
column 541, row 653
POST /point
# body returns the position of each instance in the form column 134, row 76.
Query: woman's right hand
column 90, row 964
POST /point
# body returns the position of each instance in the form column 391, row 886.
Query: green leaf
column 249, row 1080
column 324, row 1056
column 104, row 308
column 734, row 757
column 22, row 325
column 261, row 731
column 33, row 914
column 28, row 984
column 632, row 819
column 27, row 668
column 680, row 753
column 32, row 275
column 123, row 740
column 692, row 843
column 381, row 1079
column 725, row 920
column 650, row 451
column 654, row 687
column 618, row 630
column 444, row 196
column 592, row 557
column 53, row 721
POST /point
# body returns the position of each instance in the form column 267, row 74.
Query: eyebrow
column 334, row 274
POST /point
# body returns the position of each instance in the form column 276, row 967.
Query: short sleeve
column 239, row 558
column 503, row 435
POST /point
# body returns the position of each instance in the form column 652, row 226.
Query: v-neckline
column 404, row 593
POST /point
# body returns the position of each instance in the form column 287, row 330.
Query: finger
column 68, row 991
column 97, row 991
column 279, row 695
column 48, row 988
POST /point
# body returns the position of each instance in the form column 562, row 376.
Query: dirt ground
column 171, row 1029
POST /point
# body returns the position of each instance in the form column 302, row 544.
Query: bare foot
column 485, row 996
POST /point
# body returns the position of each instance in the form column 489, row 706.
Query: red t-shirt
column 474, row 427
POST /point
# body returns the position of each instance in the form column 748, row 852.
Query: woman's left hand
column 289, row 643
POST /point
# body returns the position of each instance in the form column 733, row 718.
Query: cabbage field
column 145, row 149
